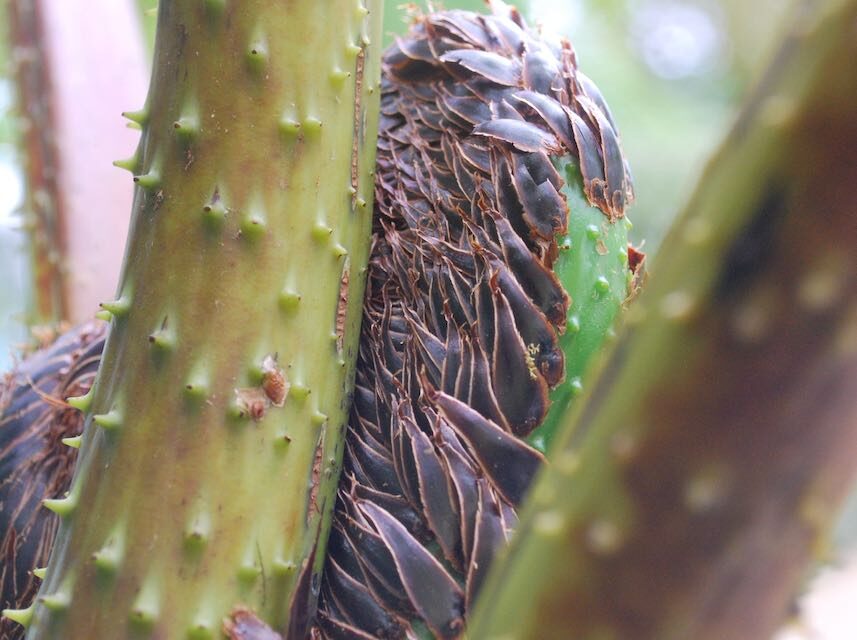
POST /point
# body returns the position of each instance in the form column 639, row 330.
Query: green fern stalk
column 212, row 443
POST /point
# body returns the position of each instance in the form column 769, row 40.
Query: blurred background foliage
column 673, row 72
column 14, row 256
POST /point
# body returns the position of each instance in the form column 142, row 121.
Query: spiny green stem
column 201, row 484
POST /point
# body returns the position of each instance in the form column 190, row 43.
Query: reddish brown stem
column 71, row 88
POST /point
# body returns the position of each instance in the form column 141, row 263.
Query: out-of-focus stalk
column 700, row 473
column 71, row 90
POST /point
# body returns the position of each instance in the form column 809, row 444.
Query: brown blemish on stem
column 272, row 391
column 357, row 138
column 637, row 266
column 315, row 480
column 342, row 307
column 243, row 624
column 252, row 402
column 274, row 382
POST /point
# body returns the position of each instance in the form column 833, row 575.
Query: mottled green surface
column 195, row 492
column 593, row 269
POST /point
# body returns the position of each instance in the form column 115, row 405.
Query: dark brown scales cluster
column 461, row 316
column 34, row 463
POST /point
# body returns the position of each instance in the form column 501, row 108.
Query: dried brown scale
column 34, row 463
column 461, row 315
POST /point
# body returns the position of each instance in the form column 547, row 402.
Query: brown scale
column 461, row 316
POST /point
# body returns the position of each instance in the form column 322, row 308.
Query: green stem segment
column 214, row 433
column 700, row 473
column 593, row 268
